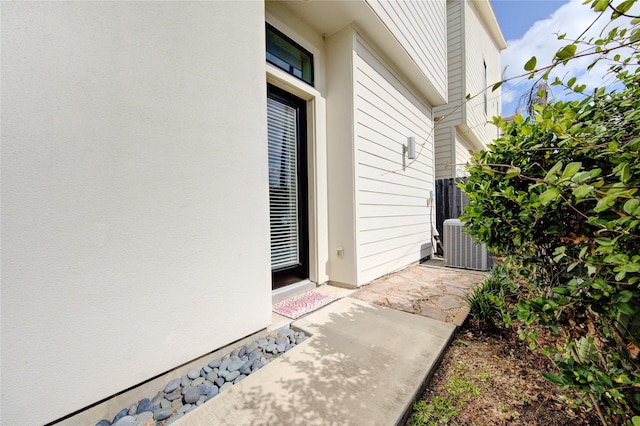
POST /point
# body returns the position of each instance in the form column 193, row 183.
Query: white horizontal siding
column 390, row 222
column 452, row 112
column 420, row 27
column 444, row 154
column 393, row 218
column 480, row 47
column 462, row 156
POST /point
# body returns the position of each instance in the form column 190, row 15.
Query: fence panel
column 450, row 201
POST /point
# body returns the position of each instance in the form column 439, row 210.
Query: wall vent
column 460, row 251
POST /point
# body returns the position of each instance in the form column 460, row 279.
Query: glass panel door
column 287, row 187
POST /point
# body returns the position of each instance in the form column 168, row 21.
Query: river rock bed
column 184, row 394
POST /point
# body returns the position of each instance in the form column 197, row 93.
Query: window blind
column 283, row 184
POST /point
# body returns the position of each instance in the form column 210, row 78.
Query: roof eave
column 489, row 18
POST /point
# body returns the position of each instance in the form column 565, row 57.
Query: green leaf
column 625, row 6
column 625, row 173
column 567, row 52
column 513, row 172
column 624, row 296
column 571, row 81
column 561, row 290
column 605, row 241
column 571, row 169
column 549, row 196
column 600, row 5
column 581, row 177
column 554, row 170
column 552, row 378
column 586, row 350
column 496, row 86
column 635, row 420
column 631, row 205
column 604, row 203
column 531, row 64
column 625, row 308
column 583, row 251
column 582, row 191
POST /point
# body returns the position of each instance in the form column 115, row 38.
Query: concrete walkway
column 365, row 364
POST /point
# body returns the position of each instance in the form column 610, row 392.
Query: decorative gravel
column 184, row 394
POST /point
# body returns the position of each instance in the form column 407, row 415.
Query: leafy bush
column 487, row 302
column 558, row 195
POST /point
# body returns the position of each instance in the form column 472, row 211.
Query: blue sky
column 531, row 28
column 517, row 16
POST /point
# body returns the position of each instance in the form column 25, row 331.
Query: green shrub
column 487, row 301
column 557, row 194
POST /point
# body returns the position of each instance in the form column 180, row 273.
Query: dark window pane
column 289, row 55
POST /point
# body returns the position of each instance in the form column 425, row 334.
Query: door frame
column 282, row 277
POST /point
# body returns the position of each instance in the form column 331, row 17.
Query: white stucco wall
column 343, row 254
column 135, row 231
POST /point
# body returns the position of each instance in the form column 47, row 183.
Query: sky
column 531, row 28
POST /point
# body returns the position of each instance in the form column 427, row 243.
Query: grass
column 443, row 408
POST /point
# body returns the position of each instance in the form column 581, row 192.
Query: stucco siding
column 393, row 217
column 341, row 159
column 134, row 195
column 480, row 49
column 421, row 29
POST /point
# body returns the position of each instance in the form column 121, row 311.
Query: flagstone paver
column 431, row 290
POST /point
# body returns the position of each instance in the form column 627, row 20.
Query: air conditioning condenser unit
column 460, row 251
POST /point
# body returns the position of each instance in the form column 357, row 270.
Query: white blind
column 283, row 184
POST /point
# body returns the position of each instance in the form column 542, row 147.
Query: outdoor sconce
column 410, row 148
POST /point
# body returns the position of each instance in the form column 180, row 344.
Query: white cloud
column 541, row 40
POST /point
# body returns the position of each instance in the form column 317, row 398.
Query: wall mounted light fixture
column 410, row 148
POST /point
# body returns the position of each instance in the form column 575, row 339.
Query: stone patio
column 430, row 290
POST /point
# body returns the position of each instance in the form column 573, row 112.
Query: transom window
column 289, row 55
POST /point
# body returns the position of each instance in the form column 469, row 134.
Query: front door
column 286, row 121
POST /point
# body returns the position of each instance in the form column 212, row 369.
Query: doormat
column 298, row 306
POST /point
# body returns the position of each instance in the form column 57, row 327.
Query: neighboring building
column 475, row 43
column 161, row 178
